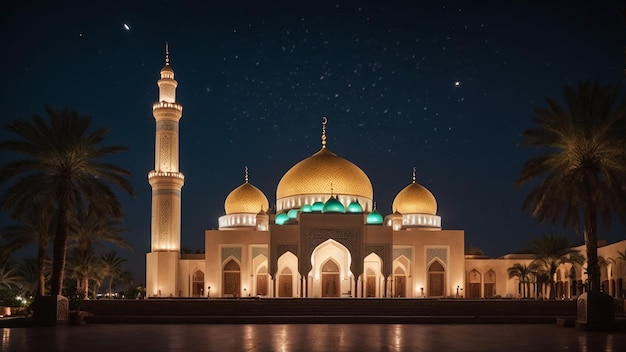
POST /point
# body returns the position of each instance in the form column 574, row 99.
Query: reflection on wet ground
column 309, row 337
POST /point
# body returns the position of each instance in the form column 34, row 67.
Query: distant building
column 325, row 239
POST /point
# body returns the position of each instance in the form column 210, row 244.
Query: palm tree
column 61, row 166
column 32, row 275
column 550, row 251
column 84, row 266
column 523, row 273
column 9, row 275
column 113, row 268
column 542, row 279
column 88, row 228
column 37, row 226
column 582, row 169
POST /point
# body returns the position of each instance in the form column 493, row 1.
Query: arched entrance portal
column 330, row 275
column 231, row 282
column 436, row 279
column 330, row 279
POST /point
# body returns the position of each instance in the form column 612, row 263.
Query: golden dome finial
column 246, row 168
column 324, row 122
column 331, row 190
column 167, row 53
column 413, row 174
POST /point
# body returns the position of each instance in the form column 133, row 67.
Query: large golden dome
column 415, row 199
column 246, row 199
column 321, row 171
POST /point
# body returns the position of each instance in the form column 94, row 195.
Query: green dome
column 292, row 214
column 281, row 218
column 333, row 205
column 355, row 207
column 307, row 208
column 374, row 218
column 317, row 206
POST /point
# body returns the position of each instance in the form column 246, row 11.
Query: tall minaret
column 166, row 181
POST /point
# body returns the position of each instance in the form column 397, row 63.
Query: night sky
column 446, row 87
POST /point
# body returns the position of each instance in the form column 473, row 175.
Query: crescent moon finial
column 413, row 174
column 246, row 168
column 324, row 122
column 167, row 53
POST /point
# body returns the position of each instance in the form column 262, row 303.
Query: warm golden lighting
column 415, row 199
column 315, row 175
column 246, row 199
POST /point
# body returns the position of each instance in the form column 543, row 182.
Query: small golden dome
column 246, row 199
column 321, row 171
column 415, row 199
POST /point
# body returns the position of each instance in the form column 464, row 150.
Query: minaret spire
column 413, row 174
column 324, row 122
column 246, row 168
column 167, row 53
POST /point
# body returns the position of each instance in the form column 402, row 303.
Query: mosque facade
column 325, row 238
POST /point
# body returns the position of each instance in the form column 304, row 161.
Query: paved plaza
column 308, row 337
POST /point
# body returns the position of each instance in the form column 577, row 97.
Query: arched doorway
column 231, row 282
column 370, row 283
column 197, row 284
column 262, row 283
column 285, row 283
column 436, row 279
column 473, row 284
column 286, row 276
column 490, row 284
column 399, row 279
column 330, row 279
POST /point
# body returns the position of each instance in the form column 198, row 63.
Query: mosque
column 325, row 238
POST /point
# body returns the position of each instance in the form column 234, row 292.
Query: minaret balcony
column 165, row 105
column 154, row 173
